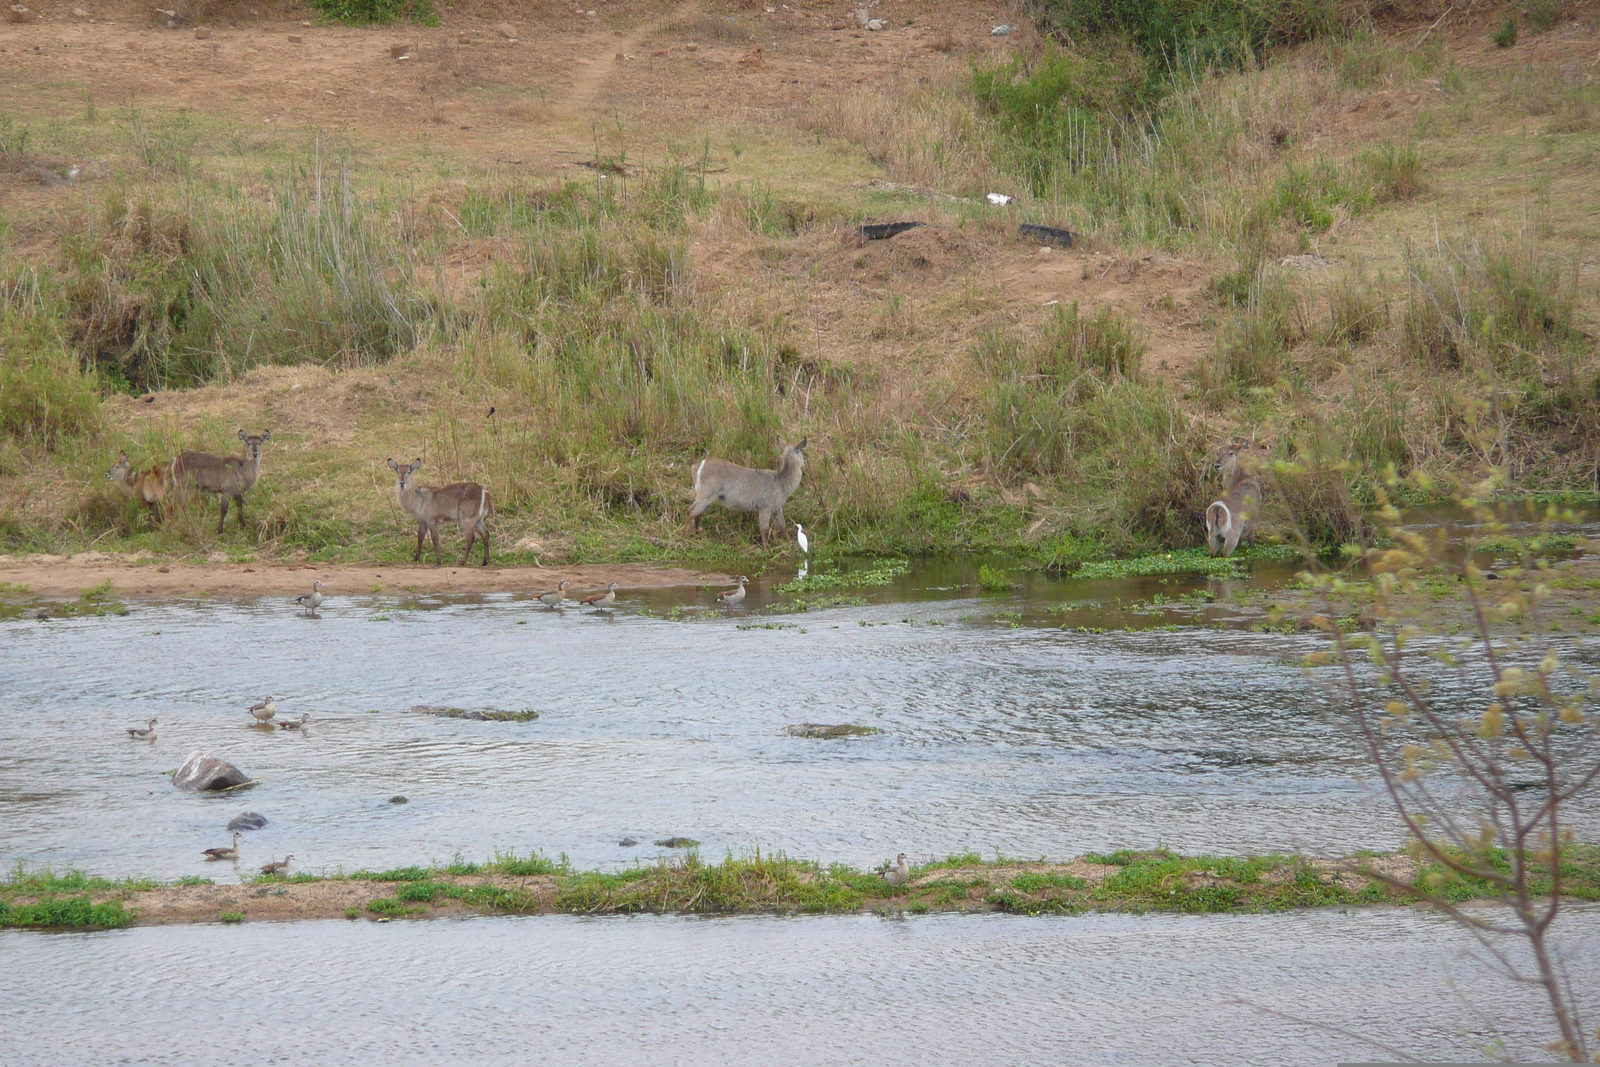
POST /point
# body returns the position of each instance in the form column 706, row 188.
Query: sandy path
column 58, row 576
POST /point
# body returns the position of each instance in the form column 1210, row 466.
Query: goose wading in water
column 292, row 724
column 312, row 600
column 264, row 711
column 733, row 596
column 229, row 853
column 601, row 600
column 279, row 866
column 146, row 734
column 900, row 873
column 552, row 598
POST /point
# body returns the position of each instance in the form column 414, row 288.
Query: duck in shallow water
column 146, row 734
column 230, row 853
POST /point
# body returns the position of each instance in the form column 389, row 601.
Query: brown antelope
column 1233, row 518
column 226, row 476
column 147, row 487
column 466, row 504
column 716, row 481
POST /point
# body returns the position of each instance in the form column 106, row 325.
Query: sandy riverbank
column 64, row 576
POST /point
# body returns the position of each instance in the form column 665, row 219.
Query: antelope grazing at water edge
column 466, row 504
column 226, row 476
column 716, row 481
column 147, row 487
column 1232, row 518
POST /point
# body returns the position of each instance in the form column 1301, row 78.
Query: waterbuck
column 226, row 476
column 1232, row 518
column 466, row 504
column 716, row 481
column 147, row 487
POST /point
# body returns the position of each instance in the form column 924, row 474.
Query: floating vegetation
column 881, row 572
column 1188, row 561
column 994, row 579
column 476, row 714
column 677, row 842
column 817, row 729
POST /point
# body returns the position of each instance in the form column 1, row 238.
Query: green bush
column 1543, row 14
column 1506, row 35
column 185, row 292
column 1186, row 34
column 381, row 12
column 44, row 395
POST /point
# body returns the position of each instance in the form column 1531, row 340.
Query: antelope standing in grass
column 147, row 487
column 226, row 476
column 1233, row 518
column 466, row 504
column 716, row 481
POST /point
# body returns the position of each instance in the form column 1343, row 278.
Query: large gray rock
column 201, row 773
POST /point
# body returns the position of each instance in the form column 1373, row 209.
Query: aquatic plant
column 994, row 579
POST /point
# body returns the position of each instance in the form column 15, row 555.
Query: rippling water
column 827, row 990
column 1028, row 741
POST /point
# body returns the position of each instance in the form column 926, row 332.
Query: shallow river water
column 950, row 989
column 1001, row 730
column 1025, row 740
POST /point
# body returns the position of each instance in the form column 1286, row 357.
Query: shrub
column 1396, row 172
column 1356, row 312
column 1506, row 35
column 44, row 394
column 1543, row 14
column 381, row 12
column 1493, row 310
column 1186, row 34
column 183, row 293
column 1255, row 344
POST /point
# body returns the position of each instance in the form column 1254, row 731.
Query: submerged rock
column 626, row 842
column 201, row 773
column 439, row 711
column 398, row 799
column 817, row 729
column 678, row 842
column 248, row 821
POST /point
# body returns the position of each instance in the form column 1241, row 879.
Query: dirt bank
column 70, row 576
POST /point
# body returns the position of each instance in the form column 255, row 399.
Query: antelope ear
column 242, row 436
column 416, row 464
column 801, row 447
column 265, row 434
column 393, row 465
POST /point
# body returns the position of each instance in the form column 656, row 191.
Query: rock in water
column 626, row 842
column 201, row 773
column 248, row 821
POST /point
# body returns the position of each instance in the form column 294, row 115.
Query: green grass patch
column 1188, row 561
column 879, row 573
column 64, row 913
